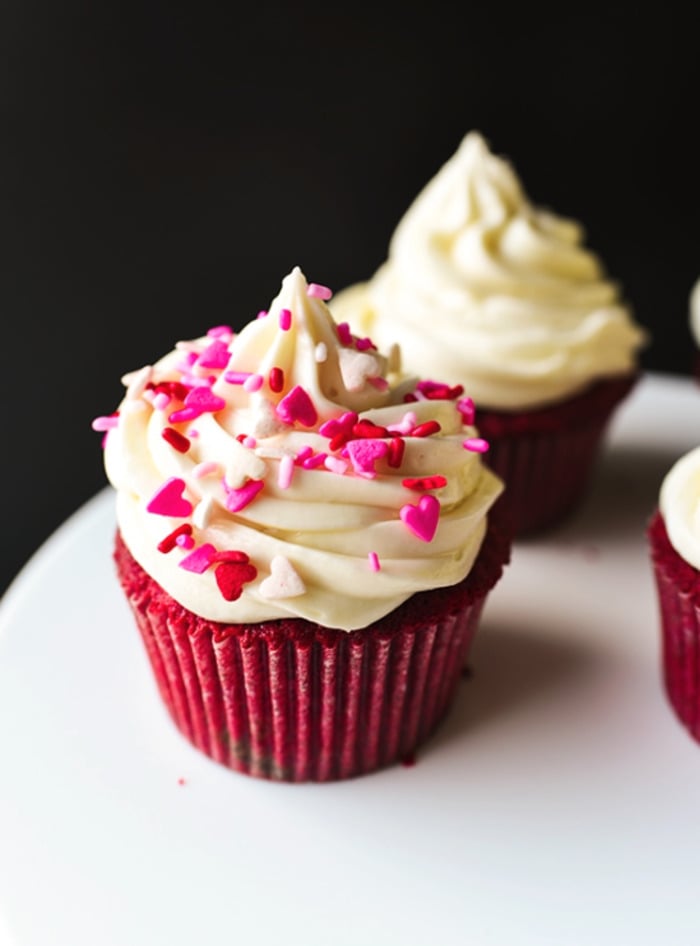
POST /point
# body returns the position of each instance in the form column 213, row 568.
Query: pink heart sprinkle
column 297, row 406
column 338, row 425
column 215, row 355
column 422, row 519
column 204, row 400
column 198, row 560
column 237, row 499
column 169, row 501
column 365, row 453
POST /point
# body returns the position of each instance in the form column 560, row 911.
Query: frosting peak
column 291, row 471
column 482, row 286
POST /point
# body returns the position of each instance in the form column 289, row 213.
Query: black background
column 160, row 173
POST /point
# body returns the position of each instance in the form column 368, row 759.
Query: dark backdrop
column 161, row 172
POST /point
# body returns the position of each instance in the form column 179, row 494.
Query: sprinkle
column 466, row 408
column 215, row 355
column 297, row 406
column 284, row 477
column 426, row 430
column 476, row 444
column 249, row 442
column 362, row 344
column 169, row 501
column 199, row 401
column 409, row 398
column 437, row 391
column 317, row 291
column 421, row 483
column 176, row 440
column 321, row 352
column 231, row 576
column 344, row 333
column 283, row 580
column 422, row 519
column 365, row 453
column 356, row 368
column 276, row 379
column 374, row 561
column 285, row 319
column 231, row 555
column 253, row 383
column 174, row 388
column 381, row 384
column 261, row 314
column 181, row 781
column 206, row 469
column 339, row 429
column 335, row 465
column 238, row 499
column 237, row 377
column 185, row 541
column 192, row 432
column 161, row 401
column 318, row 459
column 224, row 332
column 203, row 512
column 198, row 560
column 406, row 425
column 105, row 423
column 396, row 451
column 168, row 543
column 302, row 455
column 365, row 428
column 137, row 382
column 189, row 347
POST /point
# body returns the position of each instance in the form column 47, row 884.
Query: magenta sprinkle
column 286, row 470
column 185, row 541
column 176, row 440
column 276, row 380
column 344, row 333
column 169, row 501
column 198, row 560
column 224, row 332
column 362, row 344
column 318, row 459
column 199, row 401
column 285, row 320
column 215, row 355
column 365, row 453
column 237, row 499
column 237, row 377
column 316, row 291
column 374, row 561
column 302, row 455
column 476, row 444
column 422, row 519
column 297, row 406
column 102, row 424
column 339, row 429
column 253, row 383
column 467, row 409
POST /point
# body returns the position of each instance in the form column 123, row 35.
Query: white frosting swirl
column 695, row 313
column 679, row 503
column 483, row 288
column 314, row 540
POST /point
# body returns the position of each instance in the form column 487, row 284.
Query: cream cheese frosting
column 291, row 470
column 483, row 287
column 679, row 503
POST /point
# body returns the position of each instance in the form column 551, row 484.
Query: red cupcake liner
column 546, row 457
column 678, row 588
column 293, row 701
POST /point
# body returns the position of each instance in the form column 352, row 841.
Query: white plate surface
column 558, row 804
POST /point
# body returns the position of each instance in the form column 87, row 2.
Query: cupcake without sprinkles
column 483, row 288
column 304, row 537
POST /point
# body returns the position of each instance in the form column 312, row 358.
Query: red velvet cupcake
column 485, row 289
column 305, row 541
column 675, row 554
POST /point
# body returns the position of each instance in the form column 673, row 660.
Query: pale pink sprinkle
column 406, row 425
column 344, row 333
column 381, row 384
column 362, row 344
column 161, row 401
column 285, row 319
column 185, row 541
column 465, row 406
column 374, row 561
column 193, row 432
column 261, row 314
column 253, row 383
column 206, row 469
column 149, row 395
column 249, row 442
column 422, row 519
column 199, row 560
column 237, row 377
column 238, row 499
column 297, row 406
column 224, row 332
column 215, row 355
column 476, row 444
column 335, row 465
column 318, row 459
column 286, row 470
column 317, row 291
column 102, row 424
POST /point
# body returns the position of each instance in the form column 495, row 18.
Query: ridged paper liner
column 678, row 589
column 546, row 457
column 293, row 701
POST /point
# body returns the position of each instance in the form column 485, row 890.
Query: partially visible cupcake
column 304, row 539
column 674, row 538
column 483, row 288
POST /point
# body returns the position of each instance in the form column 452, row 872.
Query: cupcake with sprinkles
column 305, row 539
column 483, row 288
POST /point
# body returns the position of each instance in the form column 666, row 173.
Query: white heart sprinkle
column 356, row 367
column 283, row 581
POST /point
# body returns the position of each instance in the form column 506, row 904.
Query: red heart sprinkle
column 231, row 576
